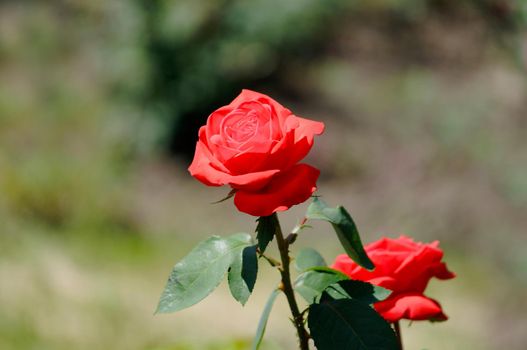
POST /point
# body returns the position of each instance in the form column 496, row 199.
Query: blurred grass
column 425, row 135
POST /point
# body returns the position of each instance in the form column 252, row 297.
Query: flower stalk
column 287, row 287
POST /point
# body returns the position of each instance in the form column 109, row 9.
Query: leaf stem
column 273, row 262
column 287, row 288
column 397, row 328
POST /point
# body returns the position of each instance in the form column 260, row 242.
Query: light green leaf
column 262, row 324
column 308, row 257
column 200, row 272
column 345, row 228
column 349, row 324
column 314, row 281
column 242, row 274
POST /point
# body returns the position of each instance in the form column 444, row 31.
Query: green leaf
column 349, row 324
column 265, row 230
column 262, row 324
column 250, row 266
column 242, row 274
column 308, row 257
column 200, row 272
column 314, row 281
column 345, row 228
column 363, row 291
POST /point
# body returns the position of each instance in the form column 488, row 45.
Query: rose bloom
column 254, row 145
column 404, row 267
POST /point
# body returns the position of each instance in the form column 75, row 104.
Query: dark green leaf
column 200, row 272
column 349, row 324
column 265, row 230
column 308, row 257
column 314, row 281
column 250, row 266
column 345, row 228
column 242, row 274
column 363, row 291
column 260, row 331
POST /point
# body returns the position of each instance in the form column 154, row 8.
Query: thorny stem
column 398, row 333
column 287, row 288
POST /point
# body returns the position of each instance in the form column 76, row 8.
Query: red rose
column 253, row 145
column 404, row 267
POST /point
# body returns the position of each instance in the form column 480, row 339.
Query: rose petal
column 285, row 190
column 411, row 307
column 248, row 95
column 282, row 156
column 252, row 181
column 206, row 169
column 402, row 244
column 442, row 272
column 302, row 139
column 380, row 276
column 213, row 126
column 284, row 141
column 294, row 145
column 402, row 265
column 240, row 127
column 305, row 128
column 419, row 267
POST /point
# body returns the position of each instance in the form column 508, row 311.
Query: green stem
column 287, row 287
column 270, row 260
column 398, row 333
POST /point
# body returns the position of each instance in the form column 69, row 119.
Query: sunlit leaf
column 308, row 257
column 242, row 274
column 345, row 228
column 200, row 272
column 314, row 281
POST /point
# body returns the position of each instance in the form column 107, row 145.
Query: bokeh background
column 425, row 103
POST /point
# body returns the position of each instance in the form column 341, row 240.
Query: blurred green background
column 425, row 104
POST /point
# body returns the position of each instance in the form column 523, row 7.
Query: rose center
column 241, row 130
